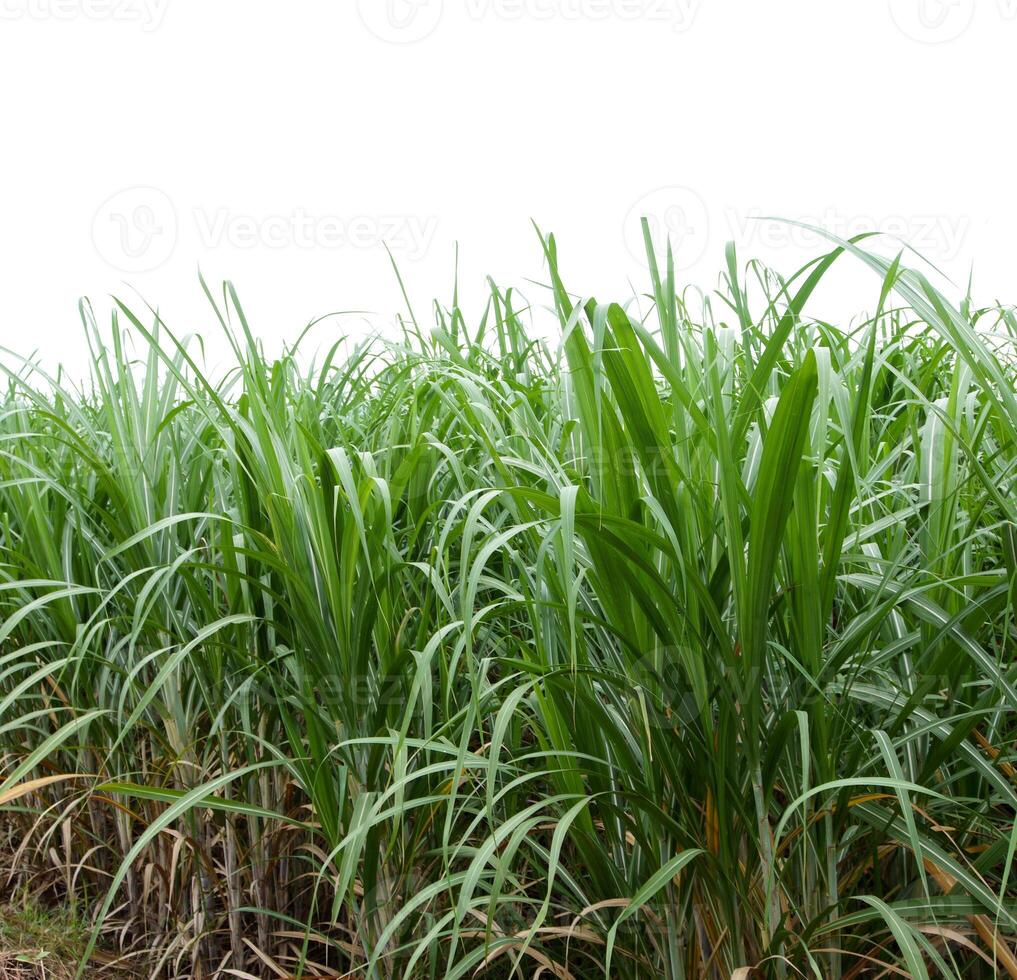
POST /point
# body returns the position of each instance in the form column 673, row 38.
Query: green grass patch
column 682, row 646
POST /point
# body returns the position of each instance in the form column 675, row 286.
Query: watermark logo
column 135, row 230
column 678, row 216
column 932, row 21
column 407, row 234
column 400, row 21
column 680, row 14
column 675, row 215
column 147, row 14
column 937, row 236
column 405, row 21
column 658, row 691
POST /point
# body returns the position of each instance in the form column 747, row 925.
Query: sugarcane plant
column 682, row 646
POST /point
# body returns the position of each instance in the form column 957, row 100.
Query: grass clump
column 35, row 944
column 683, row 647
column 45, row 944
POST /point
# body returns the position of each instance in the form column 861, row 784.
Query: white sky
column 276, row 145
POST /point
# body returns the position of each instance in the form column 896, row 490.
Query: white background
column 276, row 144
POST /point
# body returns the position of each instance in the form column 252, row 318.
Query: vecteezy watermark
column 147, row 14
column 678, row 217
column 679, row 14
column 937, row 236
column 675, row 215
column 408, row 234
column 405, row 21
column 135, row 230
column 400, row 21
column 936, row 21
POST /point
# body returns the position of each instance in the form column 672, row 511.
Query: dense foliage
column 682, row 648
